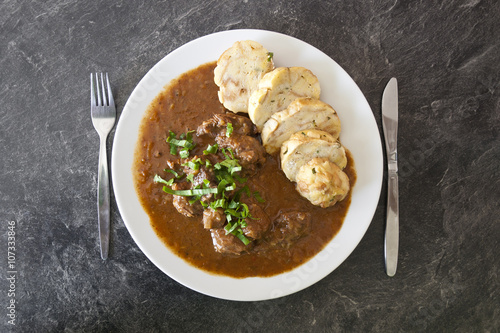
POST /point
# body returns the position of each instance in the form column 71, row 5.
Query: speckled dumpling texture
column 239, row 71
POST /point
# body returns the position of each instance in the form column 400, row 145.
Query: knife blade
column 390, row 126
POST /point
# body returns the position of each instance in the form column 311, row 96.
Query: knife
column 390, row 126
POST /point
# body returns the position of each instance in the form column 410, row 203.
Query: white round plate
column 359, row 134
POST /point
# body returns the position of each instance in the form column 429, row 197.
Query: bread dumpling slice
column 278, row 89
column 305, row 145
column 239, row 71
column 322, row 182
column 301, row 114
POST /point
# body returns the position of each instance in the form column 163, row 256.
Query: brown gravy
column 182, row 106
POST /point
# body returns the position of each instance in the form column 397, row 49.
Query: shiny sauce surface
column 183, row 105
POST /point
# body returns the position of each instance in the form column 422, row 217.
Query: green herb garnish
column 241, row 237
column 158, row 179
column 191, row 192
column 269, row 56
column 193, row 164
column 176, row 174
column 211, row 149
column 185, row 142
column 190, row 177
column 257, row 197
column 229, row 129
column 184, row 153
column 227, row 175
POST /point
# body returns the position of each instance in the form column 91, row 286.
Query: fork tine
column 97, row 90
column 103, row 90
column 92, row 91
column 110, row 94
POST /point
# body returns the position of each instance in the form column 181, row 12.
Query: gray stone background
column 446, row 57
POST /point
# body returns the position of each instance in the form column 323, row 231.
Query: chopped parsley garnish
column 211, row 149
column 158, row 179
column 236, row 215
column 190, row 177
column 185, row 142
column 269, row 56
column 193, row 164
column 257, row 197
column 184, row 153
column 176, row 174
column 226, row 194
column 229, row 129
column 191, row 192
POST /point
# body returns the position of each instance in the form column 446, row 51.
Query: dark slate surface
column 446, row 57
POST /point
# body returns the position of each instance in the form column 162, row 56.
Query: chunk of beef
column 217, row 125
column 202, row 173
column 228, row 244
column 213, row 218
column 258, row 224
column 182, row 204
column 247, row 150
column 288, row 228
column 173, row 165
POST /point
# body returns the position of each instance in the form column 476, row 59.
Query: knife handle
column 392, row 226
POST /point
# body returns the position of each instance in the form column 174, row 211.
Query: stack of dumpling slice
column 314, row 159
column 284, row 105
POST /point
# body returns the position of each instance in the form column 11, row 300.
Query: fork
column 103, row 113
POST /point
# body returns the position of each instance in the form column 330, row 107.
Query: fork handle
column 103, row 198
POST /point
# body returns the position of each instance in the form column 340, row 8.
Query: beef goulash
column 217, row 196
